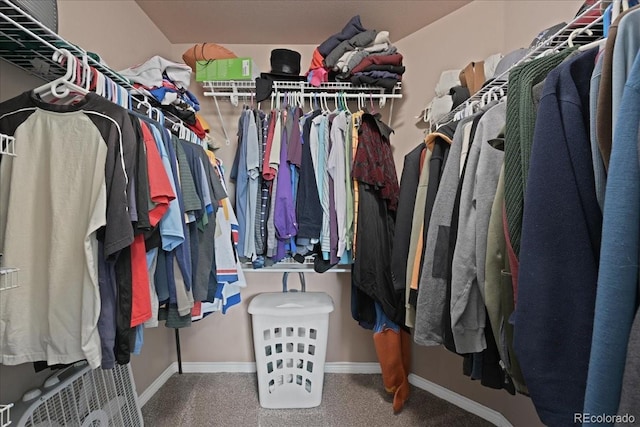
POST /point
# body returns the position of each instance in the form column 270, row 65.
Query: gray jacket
column 432, row 288
column 476, row 199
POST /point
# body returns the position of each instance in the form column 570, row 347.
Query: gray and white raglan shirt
column 66, row 188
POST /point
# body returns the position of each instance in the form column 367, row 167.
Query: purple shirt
column 285, row 213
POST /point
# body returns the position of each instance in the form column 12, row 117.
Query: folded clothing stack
column 167, row 82
column 455, row 86
column 357, row 55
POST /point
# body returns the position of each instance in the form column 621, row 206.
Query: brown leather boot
column 388, row 344
column 402, row 394
column 388, row 348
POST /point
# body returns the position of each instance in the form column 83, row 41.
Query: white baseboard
column 452, row 397
column 159, row 382
column 217, row 367
column 460, row 401
column 250, row 367
column 352, row 368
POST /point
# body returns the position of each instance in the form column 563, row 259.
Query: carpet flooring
column 348, row 401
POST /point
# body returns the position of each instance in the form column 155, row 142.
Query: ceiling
column 287, row 21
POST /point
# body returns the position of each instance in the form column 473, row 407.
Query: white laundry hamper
column 290, row 332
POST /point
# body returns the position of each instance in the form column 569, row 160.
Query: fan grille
column 97, row 398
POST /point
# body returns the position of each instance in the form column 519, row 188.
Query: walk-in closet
column 319, row 213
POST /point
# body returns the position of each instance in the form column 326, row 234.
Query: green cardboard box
column 224, row 69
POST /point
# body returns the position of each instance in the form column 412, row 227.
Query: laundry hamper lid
column 291, row 303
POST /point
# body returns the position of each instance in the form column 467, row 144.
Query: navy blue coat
column 560, row 248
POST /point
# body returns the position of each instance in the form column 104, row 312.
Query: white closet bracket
column 7, row 145
column 5, row 415
column 8, row 278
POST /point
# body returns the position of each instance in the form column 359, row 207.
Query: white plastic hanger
column 144, row 102
column 346, row 102
column 616, row 6
column 62, row 87
column 86, row 73
column 577, row 32
column 470, row 108
column 382, row 101
column 99, row 83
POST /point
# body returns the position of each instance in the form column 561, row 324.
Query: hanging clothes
column 144, row 243
column 374, row 170
column 559, row 187
column 67, row 221
column 616, row 300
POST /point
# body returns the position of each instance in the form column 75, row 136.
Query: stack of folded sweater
column 357, row 55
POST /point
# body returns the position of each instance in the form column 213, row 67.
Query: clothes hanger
column 124, row 98
column 346, row 103
column 299, row 100
column 62, row 87
column 577, row 32
column 470, row 108
column 616, row 6
column 598, row 43
column 157, row 115
column 146, row 104
column 86, row 72
column 107, row 88
column 99, row 83
column 382, row 101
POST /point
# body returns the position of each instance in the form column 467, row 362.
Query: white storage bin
column 290, row 331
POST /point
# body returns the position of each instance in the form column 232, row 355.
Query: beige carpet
column 348, row 401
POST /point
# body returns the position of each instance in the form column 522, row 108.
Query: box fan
column 83, row 397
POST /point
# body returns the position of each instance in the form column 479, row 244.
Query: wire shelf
column 583, row 29
column 247, row 88
column 28, row 44
column 288, row 264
